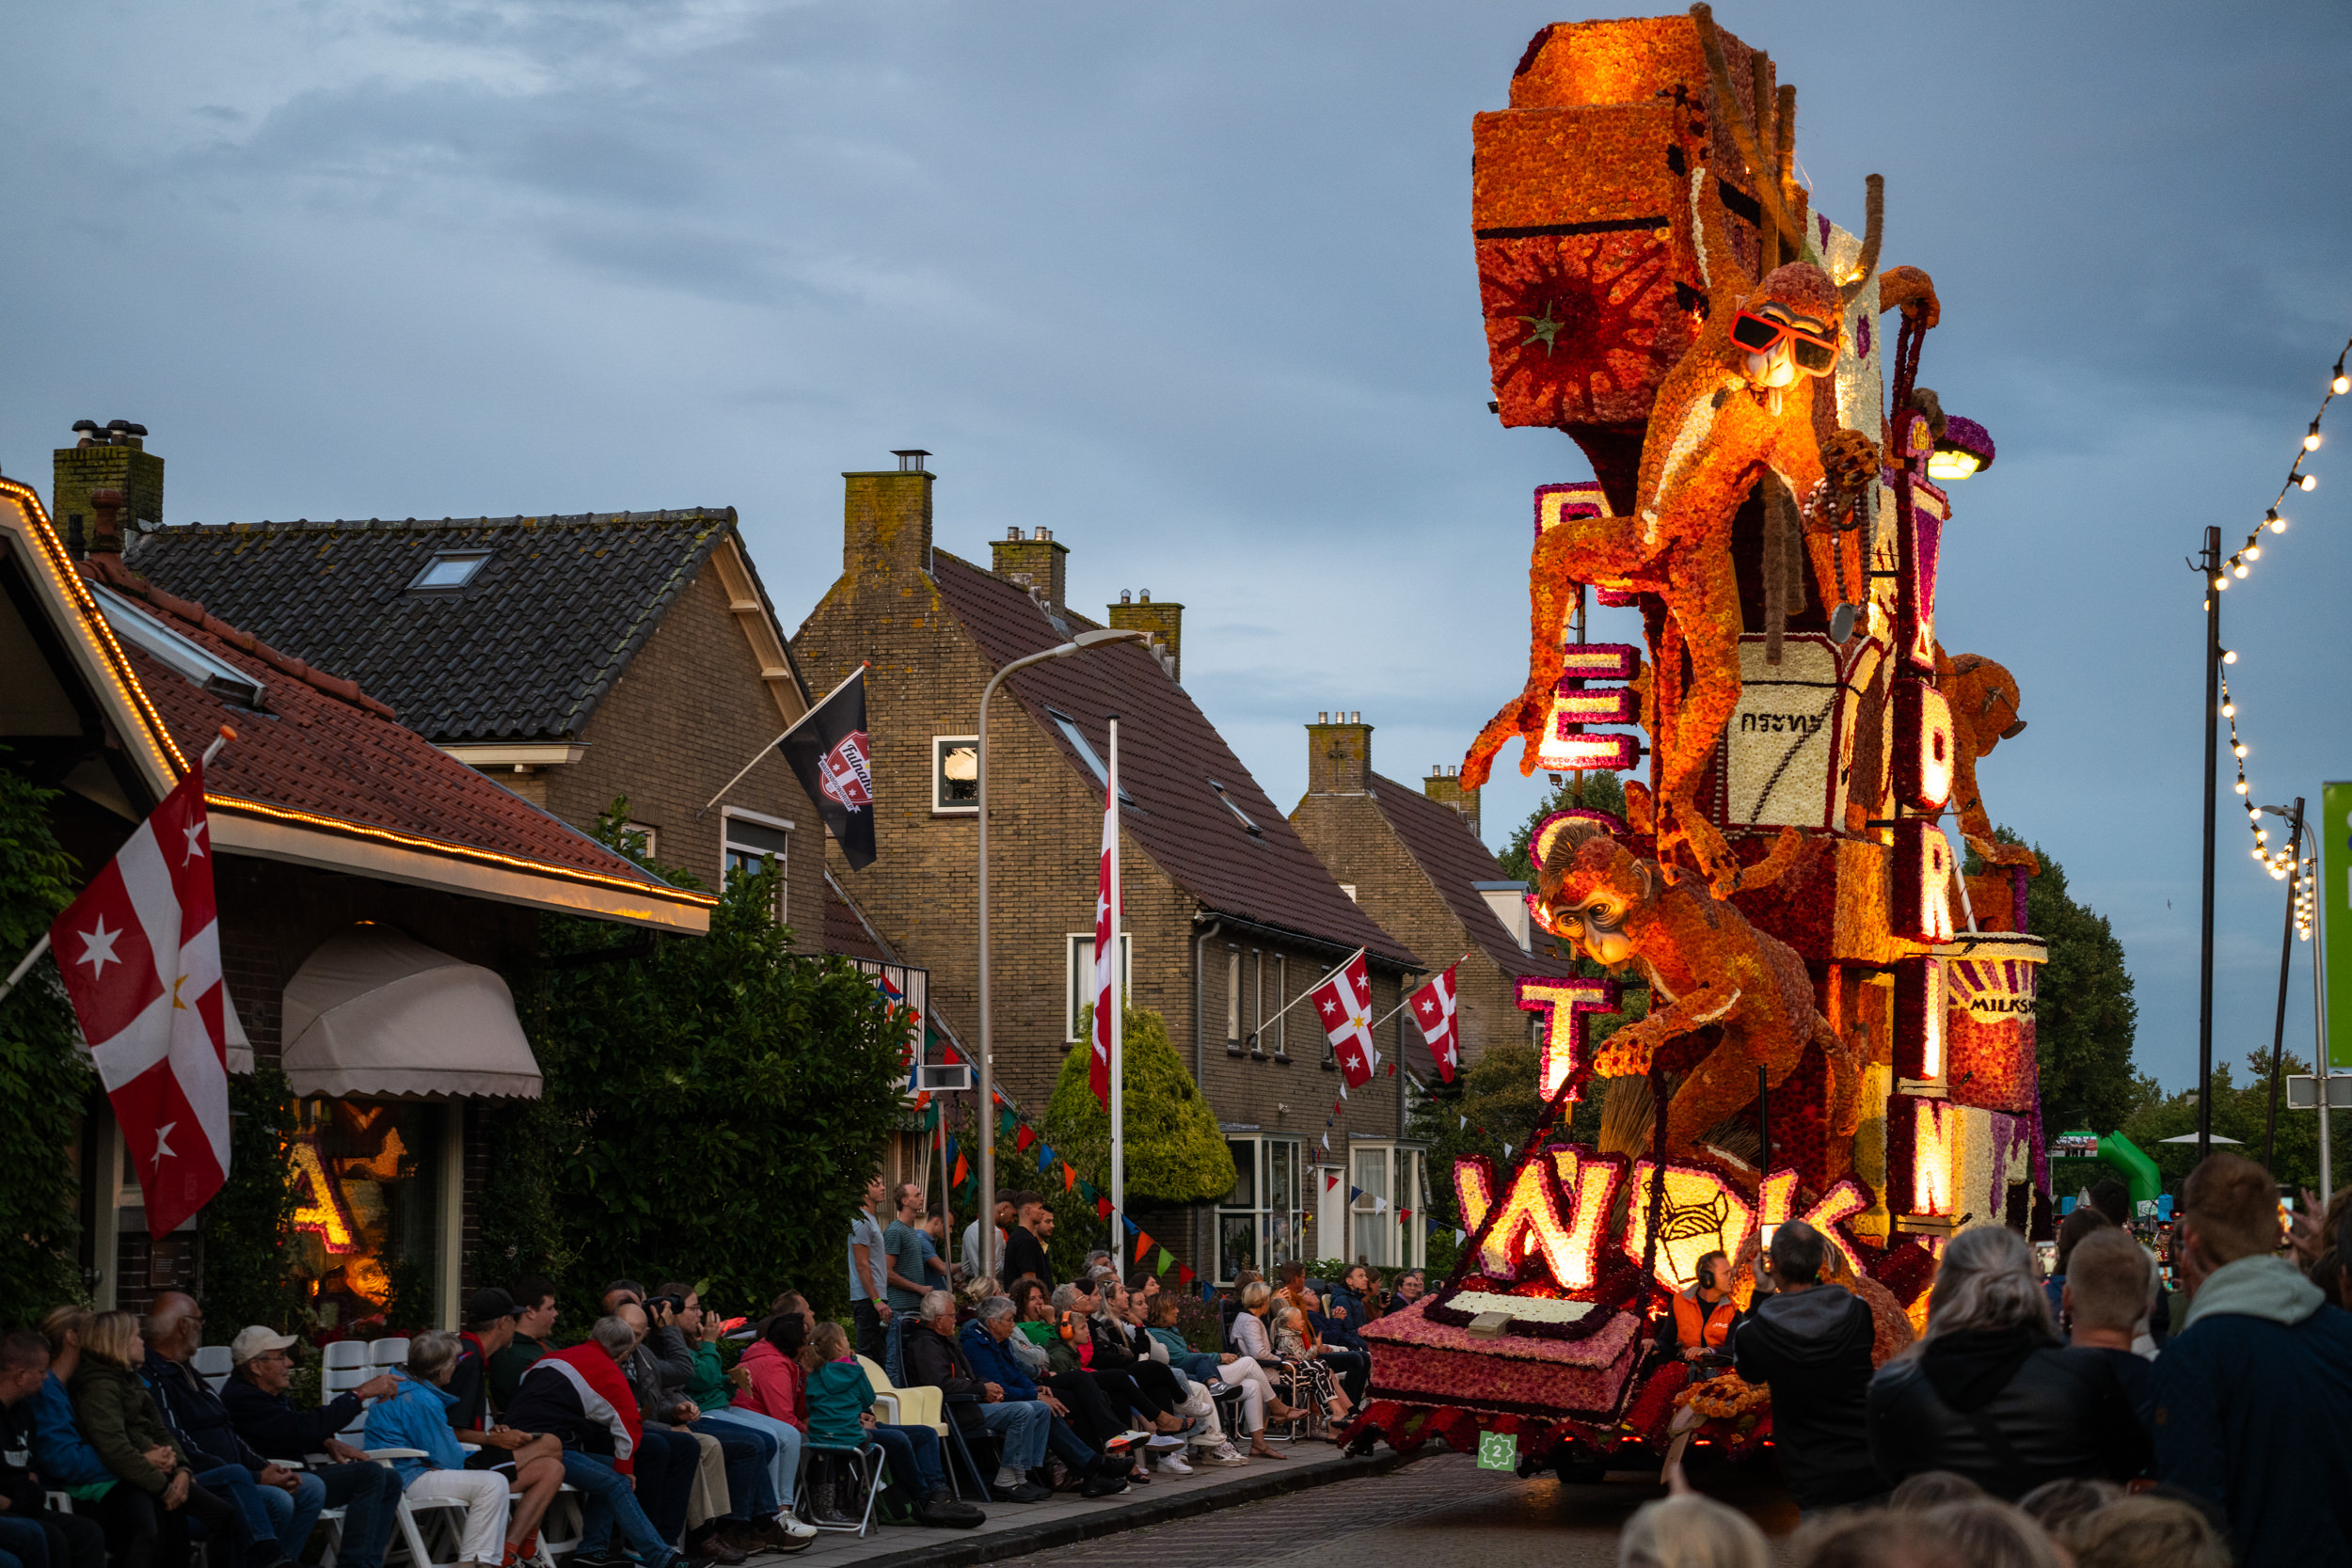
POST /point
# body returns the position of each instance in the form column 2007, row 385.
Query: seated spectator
column 1307, row 1382
column 416, row 1417
column 1031, row 1299
column 1691, row 1531
column 989, row 1343
column 1347, row 1310
column 2253, row 1399
column 534, row 1323
column 1350, row 1364
column 580, row 1398
column 30, row 1530
column 1197, row 1405
column 732, row 1463
column 277, row 1502
column 1409, row 1287
column 1152, row 1390
column 841, row 1416
column 2105, row 1298
column 146, row 1515
column 1989, row 1392
column 261, row 1371
column 1810, row 1342
column 64, row 1459
column 714, row 1392
column 2147, row 1532
column 1019, row 1427
column 1291, row 1335
column 1259, row 1399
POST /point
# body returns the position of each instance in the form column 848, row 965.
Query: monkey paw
column 1850, row 460
column 1626, row 1053
column 1523, row 716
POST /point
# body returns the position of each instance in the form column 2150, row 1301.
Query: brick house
column 353, row 862
column 576, row 659
column 1227, row 915
column 1417, row 864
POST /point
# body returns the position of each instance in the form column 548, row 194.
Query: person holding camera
column 740, row 1502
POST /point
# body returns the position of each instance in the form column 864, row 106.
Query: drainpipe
column 1200, row 1066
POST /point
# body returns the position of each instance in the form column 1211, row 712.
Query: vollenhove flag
column 1344, row 1006
column 139, row 952
column 828, row 749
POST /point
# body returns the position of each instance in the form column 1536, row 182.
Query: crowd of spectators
column 2090, row 1417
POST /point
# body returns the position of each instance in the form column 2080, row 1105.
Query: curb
column 996, row 1545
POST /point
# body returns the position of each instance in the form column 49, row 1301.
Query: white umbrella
column 2191, row 1138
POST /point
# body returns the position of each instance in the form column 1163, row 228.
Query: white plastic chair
column 406, row 1539
column 347, row 1368
column 384, row 1354
column 213, row 1364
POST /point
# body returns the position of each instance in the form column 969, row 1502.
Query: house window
column 1385, row 1180
column 1257, row 1002
column 956, row 774
column 1233, row 999
column 752, row 843
column 1282, row 1003
column 450, row 570
column 1240, row 816
column 641, row 838
column 1078, row 983
column 1261, row 1224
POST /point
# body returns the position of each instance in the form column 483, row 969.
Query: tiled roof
column 1168, row 755
column 324, row 749
column 1454, row 860
column 846, row 931
column 523, row 652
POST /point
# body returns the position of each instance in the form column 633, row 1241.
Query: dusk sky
column 1192, row 285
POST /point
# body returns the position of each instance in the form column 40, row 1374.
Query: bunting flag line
column 1103, row 1207
column 1143, row 1246
column 1069, row 1177
column 1166, row 1260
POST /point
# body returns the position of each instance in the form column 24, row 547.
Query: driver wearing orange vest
column 1703, row 1313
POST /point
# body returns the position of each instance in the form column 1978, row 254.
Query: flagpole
column 32, row 954
column 1311, row 990
column 1118, row 1021
column 762, row 755
column 1408, row 996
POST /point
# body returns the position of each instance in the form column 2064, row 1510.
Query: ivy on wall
column 247, row 1225
column 45, row 1080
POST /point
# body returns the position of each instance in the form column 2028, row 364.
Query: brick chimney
column 886, row 520
column 1339, row 754
column 1165, row 621
column 109, row 457
column 1035, row 563
column 1444, row 785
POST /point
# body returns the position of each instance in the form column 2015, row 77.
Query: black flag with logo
column 828, row 749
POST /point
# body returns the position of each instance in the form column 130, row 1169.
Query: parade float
column 1841, row 1022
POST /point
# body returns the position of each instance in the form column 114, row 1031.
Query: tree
column 45, row 1078
column 2238, row 1110
column 1175, row 1153
column 1574, row 792
column 2085, row 1015
column 712, row 1108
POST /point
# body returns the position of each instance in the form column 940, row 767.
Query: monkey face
column 1781, row 342
column 1586, row 903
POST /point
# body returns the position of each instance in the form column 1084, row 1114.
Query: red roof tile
column 324, row 748
column 1169, row 753
column 1454, row 860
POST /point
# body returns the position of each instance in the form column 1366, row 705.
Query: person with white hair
column 415, row 1418
column 1989, row 1393
column 1691, row 1531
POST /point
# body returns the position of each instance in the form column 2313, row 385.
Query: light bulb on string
column 2277, row 523
column 2307, row 482
column 2229, row 655
column 2310, row 442
column 2254, row 552
column 2341, row 384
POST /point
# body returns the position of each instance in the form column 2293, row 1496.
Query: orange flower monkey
column 1983, row 697
column 1706, row 965
column 1739, row 404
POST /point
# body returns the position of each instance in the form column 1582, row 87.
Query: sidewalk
column 1016, row 1530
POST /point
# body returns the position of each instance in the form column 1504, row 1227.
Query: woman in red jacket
column 778, row 1388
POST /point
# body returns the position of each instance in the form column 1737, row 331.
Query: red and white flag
column 1343, row 1005
column 1105, row 945
column 139, row 951
column 1433, row 1013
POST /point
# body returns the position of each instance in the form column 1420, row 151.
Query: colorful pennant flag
column 1167, row 1260
column 1143, row 1246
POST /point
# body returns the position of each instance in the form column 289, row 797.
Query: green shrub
column 45, row 1080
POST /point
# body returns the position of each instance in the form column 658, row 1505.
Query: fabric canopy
column 373, row 1012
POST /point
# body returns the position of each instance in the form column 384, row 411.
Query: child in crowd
column 841, row 1416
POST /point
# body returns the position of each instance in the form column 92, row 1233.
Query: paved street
column 1435, row 1513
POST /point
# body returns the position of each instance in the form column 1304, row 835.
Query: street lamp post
column 987, row 1113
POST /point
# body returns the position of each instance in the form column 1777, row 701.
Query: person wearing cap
column 261, row 1371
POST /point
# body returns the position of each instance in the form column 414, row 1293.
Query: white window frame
column 652, row 836
column 784, row 881
column 941, row 805
column 1405, row 1176
column 1079, row 994
column 1262, row 1211
column 1233, row 999
column 473, row 560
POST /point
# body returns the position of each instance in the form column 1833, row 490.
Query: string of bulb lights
column 2284, row 863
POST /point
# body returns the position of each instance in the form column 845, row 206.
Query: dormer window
column 448, row 570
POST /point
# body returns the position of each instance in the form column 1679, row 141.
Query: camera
column 672, row 1305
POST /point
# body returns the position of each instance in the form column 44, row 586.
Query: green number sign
column 1497, row 1450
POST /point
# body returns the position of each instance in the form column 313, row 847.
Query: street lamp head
column 1086, row 639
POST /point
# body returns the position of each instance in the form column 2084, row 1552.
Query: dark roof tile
column 1454, row 860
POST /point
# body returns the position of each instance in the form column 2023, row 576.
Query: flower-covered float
column 1840, row 1026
